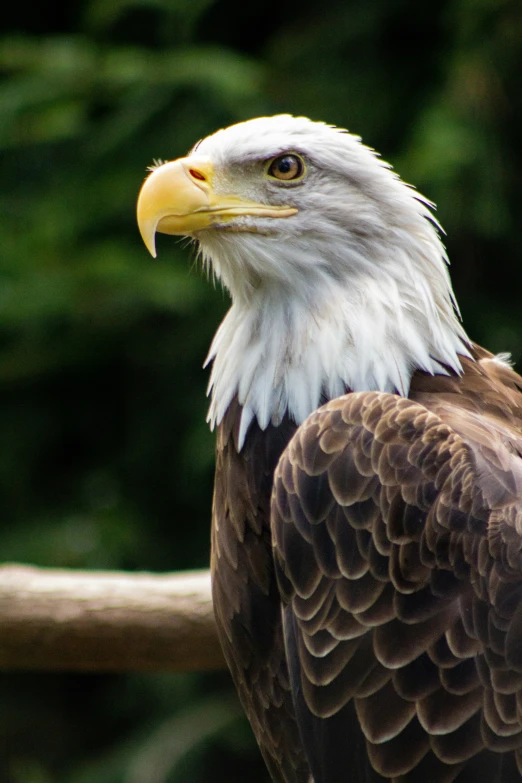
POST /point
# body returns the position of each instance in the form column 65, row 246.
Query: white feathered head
column 335, row 267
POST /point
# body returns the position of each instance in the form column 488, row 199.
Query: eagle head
column 335, row 267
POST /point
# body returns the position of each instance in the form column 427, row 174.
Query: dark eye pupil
column 285, row 165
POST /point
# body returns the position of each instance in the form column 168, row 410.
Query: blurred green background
column 105, row 457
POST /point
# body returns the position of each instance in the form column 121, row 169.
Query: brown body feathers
column 392, row 550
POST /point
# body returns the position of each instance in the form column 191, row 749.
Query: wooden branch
column 106, row 621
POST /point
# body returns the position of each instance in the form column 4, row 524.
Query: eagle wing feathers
column 397, row 551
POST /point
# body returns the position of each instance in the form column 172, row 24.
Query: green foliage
column 105, row 459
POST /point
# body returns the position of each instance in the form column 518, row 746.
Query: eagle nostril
column 197, row 175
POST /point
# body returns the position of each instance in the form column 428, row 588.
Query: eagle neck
column 286, row 352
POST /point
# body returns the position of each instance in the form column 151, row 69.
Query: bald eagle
column 367, row 513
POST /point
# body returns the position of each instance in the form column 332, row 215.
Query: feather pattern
column 441, row 540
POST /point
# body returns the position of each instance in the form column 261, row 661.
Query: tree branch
column 106, row 621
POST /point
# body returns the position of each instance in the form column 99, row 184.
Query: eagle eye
column 286, row 167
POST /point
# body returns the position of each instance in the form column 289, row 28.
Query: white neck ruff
column 342, row 320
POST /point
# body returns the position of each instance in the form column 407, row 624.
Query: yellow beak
column 177, row 198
